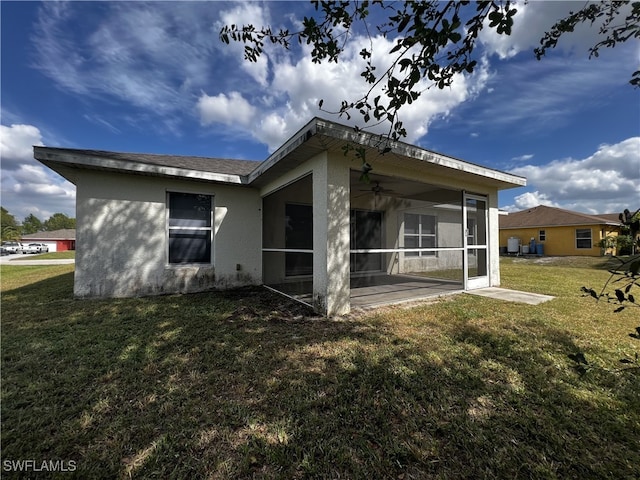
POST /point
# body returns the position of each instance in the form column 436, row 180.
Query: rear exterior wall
column 122, row 237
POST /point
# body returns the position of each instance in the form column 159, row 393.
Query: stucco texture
column 122, row 237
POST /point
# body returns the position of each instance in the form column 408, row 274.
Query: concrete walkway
column 511, row 295
column 18, row 259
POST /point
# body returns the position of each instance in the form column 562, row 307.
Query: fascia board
column 85, row 161
column 336, row 131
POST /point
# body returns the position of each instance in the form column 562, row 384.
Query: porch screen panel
column 366, row 233
column 432, row 236
column 287, row 240
column 298, row 236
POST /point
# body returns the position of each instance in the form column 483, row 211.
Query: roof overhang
column 55, row 158
column 315, row 137
column 321, row 135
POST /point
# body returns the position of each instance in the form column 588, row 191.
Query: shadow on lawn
column 245, row 384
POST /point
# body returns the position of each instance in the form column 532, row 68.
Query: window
column 298, row 235
column 542, row 235
column 583, row 238
column 419, row 232
column 190, row 231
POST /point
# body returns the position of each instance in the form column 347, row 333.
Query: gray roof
column 315, row 137
column 545, row 216
column 64, row 234
column 214, row 165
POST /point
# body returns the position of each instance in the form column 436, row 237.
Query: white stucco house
column 302, row 222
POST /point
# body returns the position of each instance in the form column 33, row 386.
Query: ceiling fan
column 377, row 189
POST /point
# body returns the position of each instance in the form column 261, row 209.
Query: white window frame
column 170, row 228
column 472, row 234
column 420, row 235
column 542, row 235
column 590, row 238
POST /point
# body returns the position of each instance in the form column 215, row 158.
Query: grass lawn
column 237, row 385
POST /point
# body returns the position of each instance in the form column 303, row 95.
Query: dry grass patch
column 244, row 384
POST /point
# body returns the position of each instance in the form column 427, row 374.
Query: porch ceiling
column 384, row 185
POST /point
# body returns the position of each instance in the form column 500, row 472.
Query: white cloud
column 247, row 14
column 150, row 56
column 522, row 158
column 531, row 22
column 530, row 200
column 27, row 187
column 230, row 109
column 297, row 85
column 16, row 145
column 607, row 181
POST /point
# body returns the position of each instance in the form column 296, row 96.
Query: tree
column 631, row 228
column 620, row 289
column 9, row 225
column 434, row 41
column 31, row 224
column 59, row 221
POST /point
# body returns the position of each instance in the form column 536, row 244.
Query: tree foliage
column 31, row 224
column 8, row 225
column 12, row 230
column 434, row 41
column 59, row 221
column 612, row 33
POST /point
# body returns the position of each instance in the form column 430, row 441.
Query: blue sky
column 155, row 78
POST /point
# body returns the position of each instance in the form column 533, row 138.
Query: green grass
column 239, row 385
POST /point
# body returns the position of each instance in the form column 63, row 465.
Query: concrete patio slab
column 511, row 295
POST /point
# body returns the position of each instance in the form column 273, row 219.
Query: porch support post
column 493, row 240
column 331, row 289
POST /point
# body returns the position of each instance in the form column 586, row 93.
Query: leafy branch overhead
column 435, row 41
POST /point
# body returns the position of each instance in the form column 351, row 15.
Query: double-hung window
column 190, row 228
column 419, row 232
column 583, row 238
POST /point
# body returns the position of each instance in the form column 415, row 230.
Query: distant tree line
column 12, row 229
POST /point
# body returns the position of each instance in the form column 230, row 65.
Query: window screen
column 190, row 228
column 583, row 238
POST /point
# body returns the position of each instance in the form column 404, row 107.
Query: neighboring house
column 561, row 232
column 56, row 240
column 302, row 222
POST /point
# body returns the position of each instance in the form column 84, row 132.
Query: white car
column 44, row 248
column 31, row 248
column 12, row 247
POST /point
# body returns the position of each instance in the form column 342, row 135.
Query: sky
column 155, row 78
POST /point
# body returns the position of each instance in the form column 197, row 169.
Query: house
column 561, row 232
column 56, row 240
column 302, row 222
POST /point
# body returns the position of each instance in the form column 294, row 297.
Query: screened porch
column 408, row 240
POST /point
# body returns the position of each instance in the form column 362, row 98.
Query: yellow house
column 561, row 232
